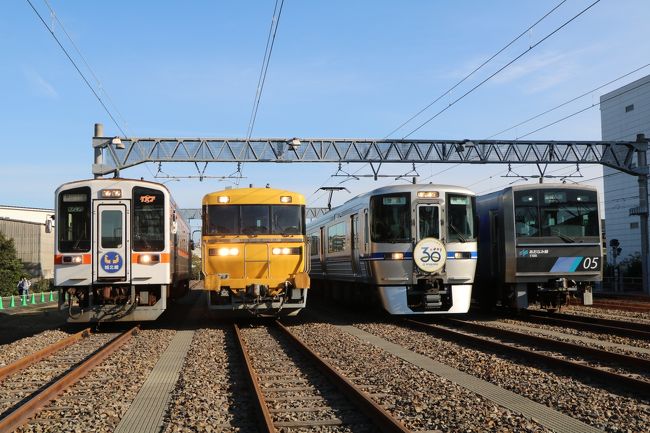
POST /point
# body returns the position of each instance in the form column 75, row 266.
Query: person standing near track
column 21, row 286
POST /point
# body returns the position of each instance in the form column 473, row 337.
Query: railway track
column 617, row 304
column 592, row 324
column 607, row 368
column 48, row 373
column 295, row 388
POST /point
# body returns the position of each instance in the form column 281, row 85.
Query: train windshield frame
column 391, row 217
column 461, row 218
column 148, row 219
column 567, row 214
column 254, row 219
column 74, row 225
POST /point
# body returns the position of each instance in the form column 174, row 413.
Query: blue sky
column 339, row 69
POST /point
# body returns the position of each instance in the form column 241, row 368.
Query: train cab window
column 112, row 222
column 255, row 220
column 148, row 219
column 220, row 220
column 73, row 225
column 460, row 218
column 391, row 218
column 428, row 221
column 526, row 215
column 287, row 220
column 569, row 214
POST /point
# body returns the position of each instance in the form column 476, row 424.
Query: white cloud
column 39, row 85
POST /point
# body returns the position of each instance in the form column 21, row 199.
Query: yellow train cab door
column 110, row 246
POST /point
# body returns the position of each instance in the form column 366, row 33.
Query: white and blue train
column 412, row 246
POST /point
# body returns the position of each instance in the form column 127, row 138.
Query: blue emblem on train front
column 523, row 253
column 111, row 262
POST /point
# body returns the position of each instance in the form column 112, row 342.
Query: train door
column 365, row 245
column 428, row 221
column 110, row 246
column 354, row 247
column 495, row 245
column 321, row 253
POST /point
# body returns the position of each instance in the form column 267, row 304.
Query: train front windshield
column 73, row 226
column 253, row 220
column 564, row 213
column 391, row 218
column 460, row 218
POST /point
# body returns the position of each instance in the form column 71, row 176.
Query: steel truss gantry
column 113, row 154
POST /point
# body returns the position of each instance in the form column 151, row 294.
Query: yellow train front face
column 254, row 252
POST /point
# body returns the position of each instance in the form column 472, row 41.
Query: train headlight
column 225, row 251
column 286, row 251
column 223, row 199
column 428, row 194
column 72, row 260
column 111, row 193
column 285, row 199
column 397, row 256
column 147, row 259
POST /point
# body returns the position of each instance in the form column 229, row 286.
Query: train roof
column 536, row 186
column 254, row 196
column 110, row 181
column 356, row 201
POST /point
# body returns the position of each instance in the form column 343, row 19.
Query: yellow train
column 254, row 251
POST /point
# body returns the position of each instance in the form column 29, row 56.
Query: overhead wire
column 501, row 69
column 450, row 90
column 479, row 67
column 270, row 41
column 77, row 68
column 102, row 89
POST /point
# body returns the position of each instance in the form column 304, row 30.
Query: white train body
column 413, row 245
column 121, row 250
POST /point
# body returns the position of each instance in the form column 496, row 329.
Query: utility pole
column 643, row 207
column 99, row 132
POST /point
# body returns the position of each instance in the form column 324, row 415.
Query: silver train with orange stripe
column 411, row 246
column 122, row 250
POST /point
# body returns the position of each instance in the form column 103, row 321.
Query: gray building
column 34, row 242
column 624, row 112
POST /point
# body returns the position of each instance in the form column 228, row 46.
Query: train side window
column 336, row 238
column 314, row 248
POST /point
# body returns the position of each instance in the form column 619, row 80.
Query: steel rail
column 624, row 306
column 264, row 416
column 46, row 351
column 604, row 376
column 593, row 324
column 382, row 419
column 36, row 402
column 552, row 344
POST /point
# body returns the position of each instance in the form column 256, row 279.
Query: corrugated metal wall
column 34, row 247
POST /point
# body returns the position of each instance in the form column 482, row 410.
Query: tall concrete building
column 624, row 113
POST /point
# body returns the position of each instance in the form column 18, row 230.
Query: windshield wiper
column 460, row 235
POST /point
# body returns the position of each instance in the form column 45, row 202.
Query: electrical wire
column 77, row 68
column 568, row 102
column 92, row 72
column 270, row 41
column 475, row 70
column 501, row 69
